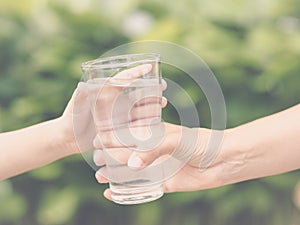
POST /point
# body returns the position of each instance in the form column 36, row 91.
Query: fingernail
column 100, row 178
column 164, row 84
column 97, row 174
column 164, row 102
column 135, row 162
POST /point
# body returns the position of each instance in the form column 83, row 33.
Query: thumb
column 180, row 144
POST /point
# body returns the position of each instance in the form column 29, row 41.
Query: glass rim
column 99, row 63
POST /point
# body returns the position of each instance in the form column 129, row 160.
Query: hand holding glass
column 127, row 90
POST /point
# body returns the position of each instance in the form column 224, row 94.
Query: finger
column 104, row 88
column 115, row 138
column 164, row 85
column 98, row 158
column 107, row 194
column 149, row 111
column 164, row 146
column 134, row 72
column 164, row 102
column 112, row 156
column 101, row 175
column 101, row 179
column 102, row 99
column 97, row 143
column 297, row 195
column 145, row 100
column 139, row 160
column 180, row 143
column 106, row 139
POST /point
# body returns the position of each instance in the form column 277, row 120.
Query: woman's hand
column 185, row 144
column 93, row 103
column 76, row 126
column 72, row 133
column 261, row 148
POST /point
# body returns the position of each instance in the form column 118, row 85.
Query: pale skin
column 264, row 147
column 35, row 146
column 43, row 143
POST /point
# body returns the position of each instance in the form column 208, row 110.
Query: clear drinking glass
column 125, row 94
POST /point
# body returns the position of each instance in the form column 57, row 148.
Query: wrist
column 237, row 156
column 64, row 142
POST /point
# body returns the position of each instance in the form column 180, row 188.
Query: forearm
column 264, row 147
column 31, row 147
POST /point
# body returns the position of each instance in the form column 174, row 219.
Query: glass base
column 135, row 195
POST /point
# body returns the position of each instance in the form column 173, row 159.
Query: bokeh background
column 253, row 48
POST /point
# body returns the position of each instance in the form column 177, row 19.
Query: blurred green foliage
column 253, row 47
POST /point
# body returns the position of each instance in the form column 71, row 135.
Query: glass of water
column 125, row 94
